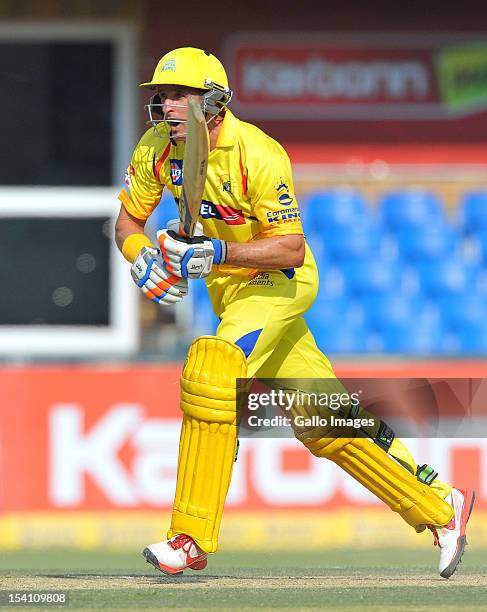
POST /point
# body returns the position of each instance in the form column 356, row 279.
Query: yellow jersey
column 249, row 192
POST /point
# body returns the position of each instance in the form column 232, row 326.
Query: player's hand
column 155, row 281
column 190, row 257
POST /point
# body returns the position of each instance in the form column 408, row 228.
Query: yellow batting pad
column 416, row 502
column 208, row 438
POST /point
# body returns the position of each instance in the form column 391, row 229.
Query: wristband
column 133, row 244
column 220, row 247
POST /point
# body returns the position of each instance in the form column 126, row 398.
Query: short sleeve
column 143, row 190
column 272, row 195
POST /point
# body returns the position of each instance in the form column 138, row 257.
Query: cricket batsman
column 261, row 278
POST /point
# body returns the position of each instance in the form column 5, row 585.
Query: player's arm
column 138, row 201
column 140, row 195
column 273, row 253
column 194, row 257
column 129, row 234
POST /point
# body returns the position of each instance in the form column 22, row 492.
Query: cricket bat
column 194, row 168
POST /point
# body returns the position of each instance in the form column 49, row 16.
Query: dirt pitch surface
column 339, row 580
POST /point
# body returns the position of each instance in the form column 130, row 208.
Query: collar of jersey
column 228, row 132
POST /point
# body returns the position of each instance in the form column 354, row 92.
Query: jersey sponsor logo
column 209, row 210
column 262, row 280
column 176, row 166
column 289, row 215
column 283, row 196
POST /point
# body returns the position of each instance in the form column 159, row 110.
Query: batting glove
column 156, row 282
column 190, row 257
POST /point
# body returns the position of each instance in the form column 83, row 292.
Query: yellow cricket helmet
column 191, row 67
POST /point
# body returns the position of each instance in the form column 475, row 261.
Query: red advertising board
column 89, row 438
column 352, row 87
column 372, row 77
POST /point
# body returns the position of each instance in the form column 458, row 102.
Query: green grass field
column 375, row 580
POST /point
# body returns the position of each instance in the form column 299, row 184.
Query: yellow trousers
column 264, row 316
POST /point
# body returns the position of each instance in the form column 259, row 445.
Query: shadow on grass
column 149, row 578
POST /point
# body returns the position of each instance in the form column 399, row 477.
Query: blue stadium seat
column 333, row 310
column 392, row 309
column 331, row 208
column 164, row 212
column 472, row 338
column 448, row 277
column 332, row 283
column 419, row 243
column 204, row 321
column 463, row 310
column 473, row 211
column 372, row 276
column 316, row 243
column 198, row 290
column 479, row 243
column 341, row 337
column 411, row 207
column 329, row 306
column 357, row 240
column 415, row 339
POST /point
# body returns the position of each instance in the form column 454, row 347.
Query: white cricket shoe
column 452, row 539
column 175, row 555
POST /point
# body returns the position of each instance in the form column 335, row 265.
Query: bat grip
column 187, row 230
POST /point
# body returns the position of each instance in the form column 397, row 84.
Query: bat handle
column 187, row 229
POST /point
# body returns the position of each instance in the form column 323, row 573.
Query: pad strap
column 426, row 474
column 385, row 436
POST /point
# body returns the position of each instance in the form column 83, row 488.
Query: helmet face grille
column 155, row 106
column 216, row 99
